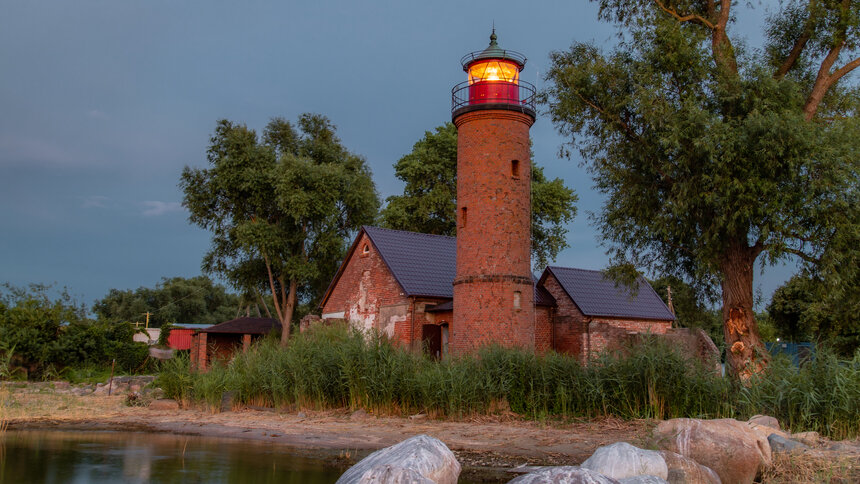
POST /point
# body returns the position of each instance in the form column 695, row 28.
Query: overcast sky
column 102, row 103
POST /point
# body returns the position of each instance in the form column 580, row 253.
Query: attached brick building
column 401, row 284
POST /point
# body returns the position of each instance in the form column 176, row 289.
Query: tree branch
column 272, row 287
column 685, row 18
column 799, row 45
column 823, row 81
column 803, row 255
column 844, row 70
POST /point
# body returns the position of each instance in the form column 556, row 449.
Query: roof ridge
column 365, row 227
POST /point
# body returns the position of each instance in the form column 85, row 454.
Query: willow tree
column 280, row 207
column 429, row 200
column 713, row 157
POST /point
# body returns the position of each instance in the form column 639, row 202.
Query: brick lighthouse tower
column 493, row 288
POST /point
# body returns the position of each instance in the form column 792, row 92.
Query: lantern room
column 493, row 81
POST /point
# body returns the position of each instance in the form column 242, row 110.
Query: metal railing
column 500, row 54
column 463, row 99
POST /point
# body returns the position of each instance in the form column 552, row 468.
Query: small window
column 517, row 298
column 515, row 168
column 463, row 214
column 365, row 250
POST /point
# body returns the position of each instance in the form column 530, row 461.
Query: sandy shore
column 498, row 441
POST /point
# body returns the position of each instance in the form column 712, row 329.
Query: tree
column 177, row 300
column 280, row 208
column 429, row 200
column 714, row 158
column 44, row 334
column 805, row 309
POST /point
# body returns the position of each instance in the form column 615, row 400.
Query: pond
column 108, row 457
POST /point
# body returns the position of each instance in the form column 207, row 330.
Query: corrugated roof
column 423, row 264
column 596, row 295
column 244, row 326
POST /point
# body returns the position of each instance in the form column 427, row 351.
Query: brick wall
column 493, row 295
column 612, row 334
column 543, row 328
column 367, row 288
column 569, row 324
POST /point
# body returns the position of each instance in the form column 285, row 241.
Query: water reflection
column 102, row 457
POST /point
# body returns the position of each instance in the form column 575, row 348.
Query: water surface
column 108, row 457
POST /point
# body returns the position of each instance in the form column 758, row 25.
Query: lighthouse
column 493, row 291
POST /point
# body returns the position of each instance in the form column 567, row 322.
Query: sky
column 102, row 104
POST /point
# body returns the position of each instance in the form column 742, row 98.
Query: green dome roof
column 493, row 51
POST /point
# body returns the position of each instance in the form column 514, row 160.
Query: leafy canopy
column 280, row 207
column 710, row 155
column 177, row 300
column 429, row 200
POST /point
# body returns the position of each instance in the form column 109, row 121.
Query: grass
column 334, row 367
column 809, row 468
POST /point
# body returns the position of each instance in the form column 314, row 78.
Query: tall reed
column 334, row 367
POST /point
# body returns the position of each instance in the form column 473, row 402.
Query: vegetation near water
column 334, row 367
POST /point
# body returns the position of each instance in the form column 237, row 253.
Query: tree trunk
column 287, row 313
column 745, row 352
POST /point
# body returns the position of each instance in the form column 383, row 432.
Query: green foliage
column 164, row 335
column 280, row 207
column 42, row 336
column 429, row 199
column 806, row 308
column 332, row 367
column 709, row 157
column 177, row 300
column 822, row 395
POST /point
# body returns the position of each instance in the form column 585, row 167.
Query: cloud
column 97, row 114
column 95, row 201
column 155, row 208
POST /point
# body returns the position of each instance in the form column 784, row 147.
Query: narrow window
column 517, row 296
column 463, row 215
column 515, row 168
column 366, row 249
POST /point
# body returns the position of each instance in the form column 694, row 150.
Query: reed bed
column 335, row 367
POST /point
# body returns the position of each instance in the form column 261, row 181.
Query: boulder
column 164, row 404
column 392, row 474
column 731, row 448
column 426, row 456
column 643, row 479
column 683, row 470
column 564, row 474
column 620, row 460
column 764, row 421
column 781, row 444
column 809, row 438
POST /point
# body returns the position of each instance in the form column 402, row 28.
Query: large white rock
column 643, row 479
column 732, row 449
column 564, row 475
column 620, row 460
column 425, row 456
column 391, row 474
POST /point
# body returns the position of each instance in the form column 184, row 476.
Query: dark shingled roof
column 244, row 326
column 595, row 295
column 424, row 264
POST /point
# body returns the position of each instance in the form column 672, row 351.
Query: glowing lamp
column 494, row 74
